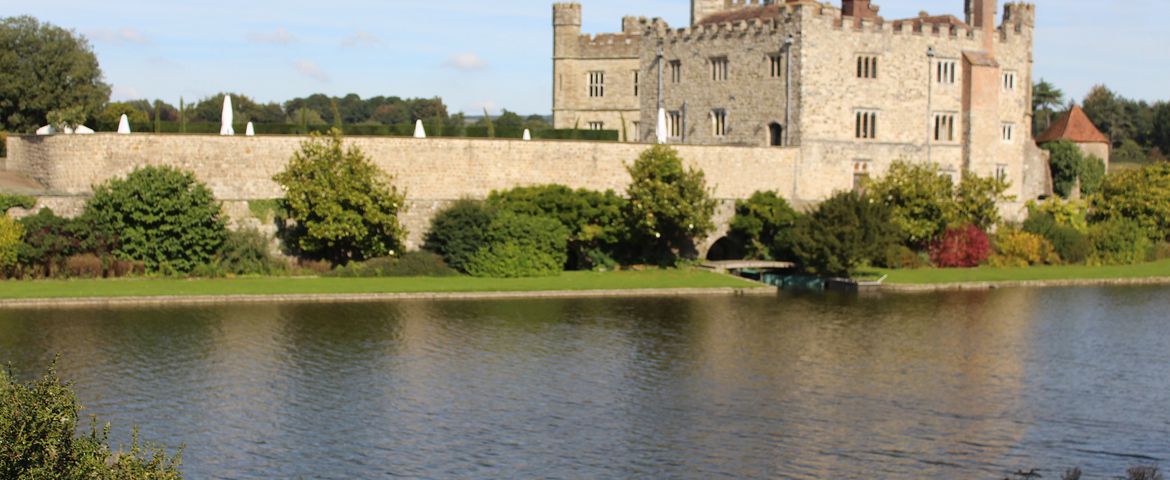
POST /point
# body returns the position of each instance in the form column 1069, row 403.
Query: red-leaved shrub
column 965, row 247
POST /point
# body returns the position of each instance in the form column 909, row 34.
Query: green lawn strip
column 990, row 274
column 573, row 281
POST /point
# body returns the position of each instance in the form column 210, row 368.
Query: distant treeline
column 315, row 112
column 1139, row 130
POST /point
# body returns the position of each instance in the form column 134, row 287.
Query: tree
column 48, row 240
column 458, row 231
column 38, row 438
column 758, row 221
column 977, row 201
column 921, row 199
column 846, row 231
column 109, row 117
column 593, row 219
column 520, row 246
column 10, row 241
column 44, row 68
column 1046, row 98
column 1108, row 112
column 1160, row 128
column 343, row 208
column 161, row 216
column 1092, row 174
column 1067, row 162
column 669, row 206
column 1141, row 195
column 509, row 119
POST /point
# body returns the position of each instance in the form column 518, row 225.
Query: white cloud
column 125, row 35
column 311, row 70
column 280, row 36
column 361, row 39
column 465, row 61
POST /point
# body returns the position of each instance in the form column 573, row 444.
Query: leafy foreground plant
column 38, row 440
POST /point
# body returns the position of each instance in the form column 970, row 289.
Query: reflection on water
column 953, row 385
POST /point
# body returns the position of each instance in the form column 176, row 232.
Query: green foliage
column 44, row 68
column 1118, row 242
column 1092, row 175
column 248, row 252
column 3, row 144
column 48, row 240
column 508, row 120
column 265, row 210
column 491, row 127
column 1073, row 213
column 8, row 202
column 520, row 246
column 757, row 222
column 1108, row 112
column 1045, row 99
column 458, row 231
column 109, row 117
column 1067, row 162
column 593, row 219
column 921, row 199
column 1142, row 195
column 1064, row 225
column 1130, row 152
column 977, row 201
column 11, row 233
column 1015, row 248
column 844, row 232
column 668, row 208
column 161, row 216
column 343, row 208
column 38, row 422
column 901, row 257
column 412, row 264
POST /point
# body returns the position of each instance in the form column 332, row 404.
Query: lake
column 941, row 385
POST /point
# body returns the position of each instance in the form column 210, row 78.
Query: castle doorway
column 775, row 134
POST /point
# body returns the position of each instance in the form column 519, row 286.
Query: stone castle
column 851, row 90
column 802, row 98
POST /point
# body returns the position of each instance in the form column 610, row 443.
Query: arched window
column 775, row 135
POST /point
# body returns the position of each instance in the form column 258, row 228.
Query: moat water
column 949, row 385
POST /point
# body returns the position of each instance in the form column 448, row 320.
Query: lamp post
column 929, row 102
column 787, row 89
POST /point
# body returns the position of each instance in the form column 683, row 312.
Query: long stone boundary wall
column 433, row 172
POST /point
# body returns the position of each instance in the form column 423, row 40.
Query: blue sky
column 493, row 53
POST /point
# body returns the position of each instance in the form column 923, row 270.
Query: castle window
column 1009, row 132
column 944, row 127
column 1001, row 173
column 635, row 83
column 637, row 128
column 674, row 124
column 776, row 62
column 860, row 174
column 866, row 128
column 675, row 71
column 945, row 72
column 1009, row 81
column 718, row 69
column 719, row 123
column 596, row 84
column 867, row 66
column 597, row 125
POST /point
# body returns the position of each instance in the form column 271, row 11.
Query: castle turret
column 566, row 28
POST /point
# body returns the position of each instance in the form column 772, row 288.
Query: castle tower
column 702, row 8
column 566, row 28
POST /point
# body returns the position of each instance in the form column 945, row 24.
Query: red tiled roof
column 944, row 19
column 1075, row 127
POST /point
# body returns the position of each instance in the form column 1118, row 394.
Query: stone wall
column 433, row 172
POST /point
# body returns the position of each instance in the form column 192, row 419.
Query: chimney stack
column 983, row 18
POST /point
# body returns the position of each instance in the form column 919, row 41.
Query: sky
column 492, row 53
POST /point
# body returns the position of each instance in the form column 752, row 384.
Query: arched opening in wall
column 727, row 248
column 775, row 135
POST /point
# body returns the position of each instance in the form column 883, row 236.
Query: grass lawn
column 989, row 274
column 576, row 281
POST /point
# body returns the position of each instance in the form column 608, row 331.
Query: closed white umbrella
column 527, row 135
column 83, row 130
column 419, row 131
column 250, row 131
column 124, row 125
column 225, row 127
column 46, row 130
column 661, row 130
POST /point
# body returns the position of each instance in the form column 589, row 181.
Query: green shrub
column 38, row 439
column 458, row 231
column 3, row 144
column 1067, row 163
column 1092, row 175
column 1070, row 244
column 520, row 246
column 1129, row 152
column 343, row 208
column 757, row 222
column 1142, row 195
column 412, row 264
column 160, row 216
column 11, row 233
column 977, row 201
column 901, row 257
column 86, row 265
column 248, row 252
column 1063, row 224
column 921, row 199
column 1118, row 242
column 267, row 211
column 669, row 207
column 843, row 233
column 1014, row 248
column 8, row 202
column 594, row 219
column 1073, row 213
column 1159, row 252
column 48, row 240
